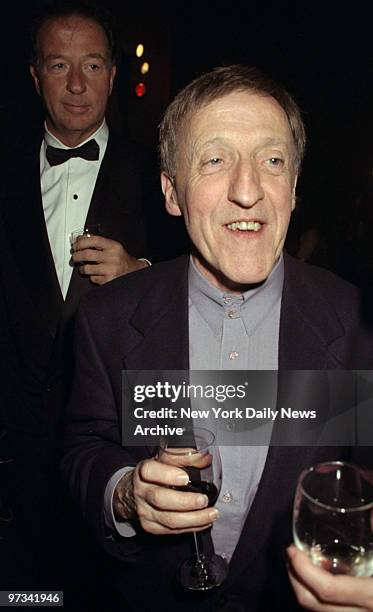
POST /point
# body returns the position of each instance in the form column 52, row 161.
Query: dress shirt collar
column 101, row 136
column 254, row 305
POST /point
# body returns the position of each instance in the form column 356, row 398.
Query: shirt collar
column 101, row 136
column 252, row 306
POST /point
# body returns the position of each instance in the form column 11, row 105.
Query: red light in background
column 140, row 90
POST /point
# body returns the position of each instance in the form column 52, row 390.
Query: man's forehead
column 233, row 108
column 68, row 25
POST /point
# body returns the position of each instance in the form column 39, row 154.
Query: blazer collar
column 309, row 328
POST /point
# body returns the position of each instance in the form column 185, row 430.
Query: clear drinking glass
column 333, row 517
column 92, row 229
column 197, row 454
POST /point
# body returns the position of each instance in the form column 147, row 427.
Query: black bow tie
column 89, row 151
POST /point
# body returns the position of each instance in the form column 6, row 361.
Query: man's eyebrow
column 271, row 140
column 54, row 56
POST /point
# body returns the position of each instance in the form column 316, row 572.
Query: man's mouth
column 76, row 108
column 244, row 226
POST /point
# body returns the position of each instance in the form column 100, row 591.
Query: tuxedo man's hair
column 61, row 10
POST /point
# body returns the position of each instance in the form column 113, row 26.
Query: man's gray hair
column 216, row 84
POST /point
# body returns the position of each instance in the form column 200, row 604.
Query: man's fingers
column 90, row 255
column 162, row 509
column 92, row 242
column 350, row 592
column 157, row 529
column 309, row 601
column 169, row 521
column 155, row 472
column 93, row 270
column 169, row 499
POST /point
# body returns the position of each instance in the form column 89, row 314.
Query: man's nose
column 245, row 186
column 76, row 81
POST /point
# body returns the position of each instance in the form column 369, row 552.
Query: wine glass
column 196, row 453
column 333, row 517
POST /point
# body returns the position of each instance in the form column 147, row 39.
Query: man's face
column 234, row 185
column 74, row 76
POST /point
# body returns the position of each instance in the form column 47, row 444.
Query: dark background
column 322, row 52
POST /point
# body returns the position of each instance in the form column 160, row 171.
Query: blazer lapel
column 28, row 238
column 308, row 339
column 160, row 325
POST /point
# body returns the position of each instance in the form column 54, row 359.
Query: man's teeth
column 245, row 225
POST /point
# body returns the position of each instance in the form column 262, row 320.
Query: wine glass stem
column 196, row 544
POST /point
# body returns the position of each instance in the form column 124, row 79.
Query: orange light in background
column 139, row 50
column 140, row 90
column 144, row 68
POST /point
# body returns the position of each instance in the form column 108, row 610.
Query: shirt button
column 75, row 196
column 227, row 299
column 233, row 355
column 227, row 497
column 231, row 314
column 231, row 426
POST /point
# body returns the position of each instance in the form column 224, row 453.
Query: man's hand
column 103, row 259
column 318, row 590
column 147, row 493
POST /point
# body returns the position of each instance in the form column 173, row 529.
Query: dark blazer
column 140, row 323
column 36, row 324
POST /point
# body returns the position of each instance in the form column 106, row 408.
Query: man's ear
column 35, row 78
column 169, row 192
column 293, row 195
column 113, row 71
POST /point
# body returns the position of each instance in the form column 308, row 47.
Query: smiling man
column 234, row 182
column 231, row 144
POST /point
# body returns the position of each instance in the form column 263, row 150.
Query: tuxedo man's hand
column 318, row 590
column 146, row 493
column 103, row 259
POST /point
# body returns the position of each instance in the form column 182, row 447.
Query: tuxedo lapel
column 114, row 205
column 28, row 239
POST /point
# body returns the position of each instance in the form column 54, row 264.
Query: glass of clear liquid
column 333, row 517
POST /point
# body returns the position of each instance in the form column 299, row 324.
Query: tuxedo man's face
column 74, row 76
column 235, row 186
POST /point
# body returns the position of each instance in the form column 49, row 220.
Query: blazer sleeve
column 93, row 451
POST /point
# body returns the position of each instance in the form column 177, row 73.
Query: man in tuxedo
column 76, row 174
column 231, row 147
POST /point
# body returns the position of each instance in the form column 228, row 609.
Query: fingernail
column 213, row 514
column 182, row 479
column 203, row 501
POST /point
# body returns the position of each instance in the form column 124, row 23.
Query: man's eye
column 58, row 66
column 214, row 161
column 93, row 67
column 275, row 161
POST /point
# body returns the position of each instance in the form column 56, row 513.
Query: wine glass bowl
column 333, row 517
column 196, row 453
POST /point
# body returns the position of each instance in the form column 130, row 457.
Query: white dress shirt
column 67, row 191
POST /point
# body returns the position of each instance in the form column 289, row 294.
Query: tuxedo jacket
column 141, row 323
column 36, row 323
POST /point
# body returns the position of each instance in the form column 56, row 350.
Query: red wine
column 201, row 486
